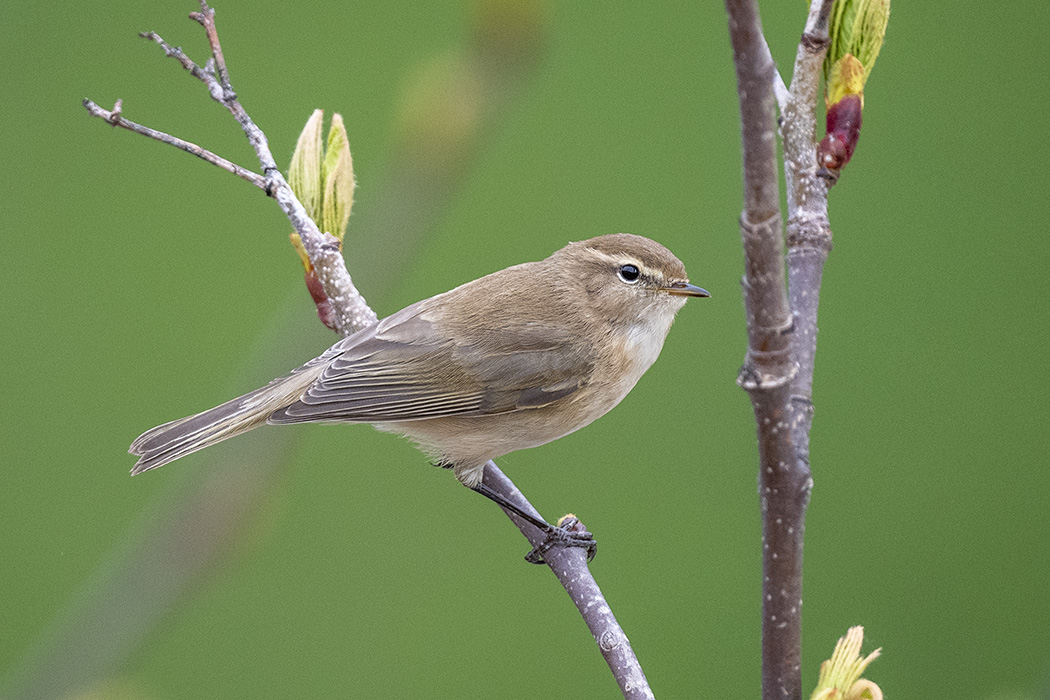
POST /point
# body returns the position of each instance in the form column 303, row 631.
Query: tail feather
column 170, row 441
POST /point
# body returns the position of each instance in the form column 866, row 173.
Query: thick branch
column 769, row 365
column 754, row 75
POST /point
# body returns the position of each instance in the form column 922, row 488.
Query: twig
column 205, row 75
column 352, row 313
column 115, row 118
column 754, row 71
column 206, row 18
column 769, row 365
column 216, row 77
column 568, row 564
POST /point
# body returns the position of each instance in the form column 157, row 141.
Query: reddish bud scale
column 324, row 307
column 843, row 132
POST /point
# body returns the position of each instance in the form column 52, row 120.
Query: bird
column 509, row 361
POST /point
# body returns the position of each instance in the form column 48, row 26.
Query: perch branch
column 568, row 564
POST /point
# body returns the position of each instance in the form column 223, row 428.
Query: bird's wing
column 404, row 369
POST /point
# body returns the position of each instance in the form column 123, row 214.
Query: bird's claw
column 568, row 533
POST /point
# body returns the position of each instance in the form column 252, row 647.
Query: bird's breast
column 638, row 345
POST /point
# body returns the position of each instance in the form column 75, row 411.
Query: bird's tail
column 166, row 443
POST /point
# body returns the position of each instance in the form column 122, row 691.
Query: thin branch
column 769, row 365
column 352, row 313
column 206, row 18
column 780, row 89
column 115, row 118
column 568, row 564
column 808, row 229
column 206, row 75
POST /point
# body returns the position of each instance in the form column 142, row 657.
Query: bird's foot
column 569, row 532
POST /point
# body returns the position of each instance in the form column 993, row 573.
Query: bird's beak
column 684, row 289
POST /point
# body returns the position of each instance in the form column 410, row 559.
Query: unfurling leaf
column 322, row 177
column 847, row 78
column 337, row 174
column 304, row 174
column 857, row 30
column 840, row 675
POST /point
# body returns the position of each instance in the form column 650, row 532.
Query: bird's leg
column 565, row 534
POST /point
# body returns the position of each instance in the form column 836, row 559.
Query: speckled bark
column 778, row 366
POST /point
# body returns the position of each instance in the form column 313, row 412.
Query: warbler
column 514, row 359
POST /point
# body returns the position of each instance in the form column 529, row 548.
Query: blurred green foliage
column 138, row 282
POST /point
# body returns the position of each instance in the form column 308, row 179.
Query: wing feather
column 406, row 369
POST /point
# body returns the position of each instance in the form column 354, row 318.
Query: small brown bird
column 512, row 360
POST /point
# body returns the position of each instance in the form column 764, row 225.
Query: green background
column 141, row 284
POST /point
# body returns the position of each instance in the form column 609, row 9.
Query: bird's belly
column 481, row 438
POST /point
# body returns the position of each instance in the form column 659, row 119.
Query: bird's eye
column 628, row 273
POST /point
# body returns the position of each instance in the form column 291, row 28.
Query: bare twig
column 754, row 70
column 206, row 18
column 116, row 118
column 353, row 312
column 205, row 75
column 769, row 366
